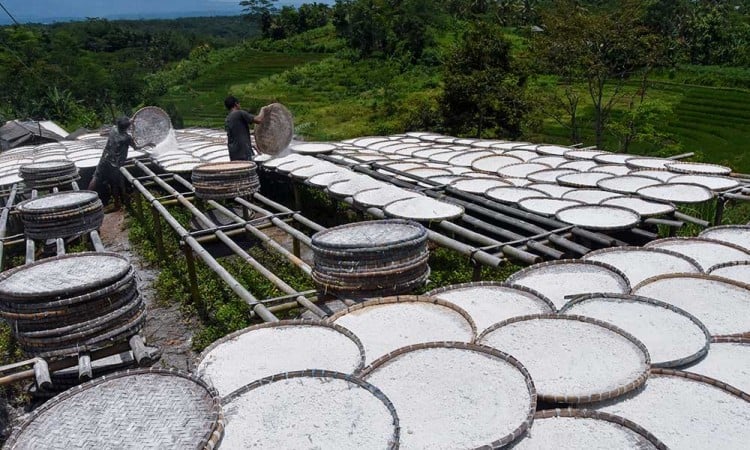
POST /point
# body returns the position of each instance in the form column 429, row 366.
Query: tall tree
column 601, row 47
column 483, row 89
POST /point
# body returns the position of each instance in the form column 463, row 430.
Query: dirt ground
column 166, row 327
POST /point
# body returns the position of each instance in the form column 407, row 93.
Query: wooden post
column 139, row 351
column 41, row 373
column 158, row 234
column 85, row 372
column 195, row 295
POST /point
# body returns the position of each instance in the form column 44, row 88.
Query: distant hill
column 48, row 11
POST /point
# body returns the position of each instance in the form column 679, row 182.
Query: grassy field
column 200, row 102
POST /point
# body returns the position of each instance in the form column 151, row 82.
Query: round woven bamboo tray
column 733, row 234
column 582, row 179
column 738, row 271
column 727, row 362
column 492, row 163
column 599, row 217
column 310, row 409
column 386, row 324
column 151, row 125
column 676, row 193
column 287, row 168
column 552, row 161
column 645, row 208
column 583, row 154
column 514, row 194
column 580, row 165
column 626, row 184
column 551, row 189
column 521, row 170
column 572, row 359
column 353, row 185
column 379, row 197
column 563, row 279
column 546, row 206
column 45, row 175
column 554, row 150
column 313, row 148
column 715, row 183
column 660, row 174
column 706, row 252
column 686, row 411
column 467, row 158
column 61, row 214
column 648, row 163
column 698, row 168
column 133, row 409
column 303, row 173
column 641, row 263
column 474, row 396
column 613, row 158
column 275, row 131
column 225, row 180
column 305, row 344
column 614, row 169
column 549, row 175
column 586, row 428
column 423, row 209
column 722, row 305
column 322, row 180
column 490, row 302
column 588, row 196
column 65, row 275
column 479, row 185
column 673, row 337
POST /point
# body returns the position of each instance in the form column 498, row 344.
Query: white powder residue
column 423, row 208
column 687, row 414
column 488, row 305
column 354, row 185
column 588, row 179
column 614, row 169
column 521, row 170
column 314, row 169
column 648, row 163
column 549, row 175
column 733, row 234
column 723, row 308
column 384, row 328
column 452, row 398
column 570, row 357
column 268, row 351
column 553, row 190
column 326, row 178
column 382, row 196
column 667, row 335
column 739, row 273
column 599, row 217
column 678, row 193
column 491, row 164
column 590, row 196
column 707, row 254
column 478, row 185
column 728, row 362
column 581, row 165
column 663, row 175
column 67, row 273
column 513, row 194
column 169, row 144
column 639, row 264
column 575, row 433
column 552, row 161
column 368, row 234
column 307, row 413
column 643, row 207
column 546, row 206
column 70, row 199
column 627, row 184
column 558, row 281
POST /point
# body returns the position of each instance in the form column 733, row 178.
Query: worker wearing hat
column 107, row 175
column 237, row 125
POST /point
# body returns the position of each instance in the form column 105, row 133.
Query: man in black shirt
column 237, row 125
column 107, row 174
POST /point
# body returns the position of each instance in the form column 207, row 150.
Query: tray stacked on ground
column 61, row 214
column 49, row 174
column 371, row 259
column 222, row 180
column 72, row 303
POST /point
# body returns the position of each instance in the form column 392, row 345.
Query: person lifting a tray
column 107, row 179
column 273, row 131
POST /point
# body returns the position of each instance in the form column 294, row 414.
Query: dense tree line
column 84, row 73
